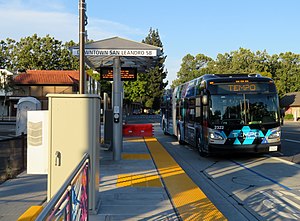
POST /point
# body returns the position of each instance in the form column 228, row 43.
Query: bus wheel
column 179, row 137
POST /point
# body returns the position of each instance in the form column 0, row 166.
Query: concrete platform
column 146, row 184
column 139, row 199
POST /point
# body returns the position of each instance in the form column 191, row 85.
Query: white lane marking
column 293, row 141
column 296, row 205
column 271, row 203
column 286, row 162
column 5, row 137
column 286, row 132
column 290, row 194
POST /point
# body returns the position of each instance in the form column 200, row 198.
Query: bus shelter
column 119, row 53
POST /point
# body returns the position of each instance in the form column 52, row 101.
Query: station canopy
column 132, row 54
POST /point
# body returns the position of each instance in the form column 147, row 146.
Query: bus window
column 243, row 109
column 191, row 109
column 183, row 90
column 191, row 89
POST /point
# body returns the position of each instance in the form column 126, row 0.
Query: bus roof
column 232, row 77
column 189, row 88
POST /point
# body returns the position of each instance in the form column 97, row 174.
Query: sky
column 208, row 27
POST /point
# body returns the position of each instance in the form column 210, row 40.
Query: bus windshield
column 244, row 109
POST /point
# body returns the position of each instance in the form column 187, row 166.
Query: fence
column 13, row 156
column 71, row 201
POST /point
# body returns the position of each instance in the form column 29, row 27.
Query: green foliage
column 7, row 53
column 289, row 117
column 283, row 68
column 94, row 75
column 7, row 84
column 148, row 88
column 135, row 91
column 287, row 77
column 41, row 53
column 192, row 67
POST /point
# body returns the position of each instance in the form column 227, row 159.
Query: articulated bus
column 219, row 113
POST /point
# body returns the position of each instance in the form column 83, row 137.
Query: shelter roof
column 290, row 100
column 49, row 77
column 117, row 43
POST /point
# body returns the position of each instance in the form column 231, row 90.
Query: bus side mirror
column 204, row 100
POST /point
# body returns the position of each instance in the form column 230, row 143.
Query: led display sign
column 127, row 74
column 242, row 87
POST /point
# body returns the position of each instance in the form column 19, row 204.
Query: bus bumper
column 252, row 148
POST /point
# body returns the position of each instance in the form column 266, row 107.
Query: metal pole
column 117, row 110
column 105, row 104
column 105, row 97
column 81, row 46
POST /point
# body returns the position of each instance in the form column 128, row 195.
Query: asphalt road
column 290, row 149
column 7, row 130
column 259, row 187
column 290, row 142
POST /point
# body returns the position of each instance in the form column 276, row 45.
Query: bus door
column 190, row 121
column 198, row 120
column 205, row 118
column 169, row 117
column 182, row 117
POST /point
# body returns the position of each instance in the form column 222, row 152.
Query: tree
column 284, row 68
column 192, row 67
column 242, row 61
column 7, row 53
column 68, row 61
column 44, row 53
column 149, row 86
column 6, row 86
column 287, row 72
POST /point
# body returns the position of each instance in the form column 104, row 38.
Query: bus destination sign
column 127, row 74
column 240, row 88
column 116, row 52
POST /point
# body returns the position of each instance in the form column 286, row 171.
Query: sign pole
column 117, row 110
column 81, row 46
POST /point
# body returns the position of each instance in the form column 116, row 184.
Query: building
column 291, row 104
column 39, row 83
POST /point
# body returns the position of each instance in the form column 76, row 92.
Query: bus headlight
column 215, row 136
column 275, row 133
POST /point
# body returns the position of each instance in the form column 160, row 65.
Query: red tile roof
column 47, row 77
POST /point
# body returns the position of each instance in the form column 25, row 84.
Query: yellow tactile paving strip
column 138, row 180
column 133, row 139
column 190, row 202
column 136, row 156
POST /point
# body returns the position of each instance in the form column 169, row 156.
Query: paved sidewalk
column 17, row 195
column 130, row 189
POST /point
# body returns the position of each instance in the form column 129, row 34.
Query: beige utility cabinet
column 74, row 122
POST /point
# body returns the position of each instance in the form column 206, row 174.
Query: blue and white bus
column 219, row 113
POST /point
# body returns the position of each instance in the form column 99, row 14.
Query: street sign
column 127, row 74
column 116, row 52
